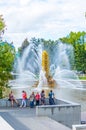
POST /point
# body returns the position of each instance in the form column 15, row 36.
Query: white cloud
column 42, row 18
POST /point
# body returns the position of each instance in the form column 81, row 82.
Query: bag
column 9, row 99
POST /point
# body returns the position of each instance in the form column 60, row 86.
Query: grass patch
column 82, row 77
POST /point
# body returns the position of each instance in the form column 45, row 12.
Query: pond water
column 74, row 95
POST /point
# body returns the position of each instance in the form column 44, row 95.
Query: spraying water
column 29, row 71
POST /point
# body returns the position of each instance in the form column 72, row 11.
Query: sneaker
column 24, row 106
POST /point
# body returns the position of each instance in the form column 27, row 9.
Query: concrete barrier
column 79, row 127
column 7, row 103
column 67, row 113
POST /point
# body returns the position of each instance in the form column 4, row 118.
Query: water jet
column 36, row 69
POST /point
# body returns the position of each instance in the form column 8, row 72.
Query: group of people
column 34, row 99
column 37, row 99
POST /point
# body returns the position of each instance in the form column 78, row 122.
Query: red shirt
column 24, row 95
column 37, row 96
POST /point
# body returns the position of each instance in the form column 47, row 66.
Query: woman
column 42, row 97
column 24, row 98
column 12, row 99
column 32, row 99
column 37, row 98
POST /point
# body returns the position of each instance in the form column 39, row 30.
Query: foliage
column 7, row 55
column 25, row 43
column 78, row 40
column 82, row 77
column 51, row 47
column 2, row 25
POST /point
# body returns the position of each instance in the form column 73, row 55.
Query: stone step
column 42, row 123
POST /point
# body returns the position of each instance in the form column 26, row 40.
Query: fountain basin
column 65, row 112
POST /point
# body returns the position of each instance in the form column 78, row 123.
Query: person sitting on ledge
column 37, row 98
column 12, row 99
column 32, row 99
column 42, row 97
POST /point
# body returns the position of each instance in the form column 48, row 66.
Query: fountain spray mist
column 37, row 68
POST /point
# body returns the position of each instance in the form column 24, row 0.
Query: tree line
column 75, row 39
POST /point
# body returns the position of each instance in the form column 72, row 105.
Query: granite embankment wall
column 65, row 112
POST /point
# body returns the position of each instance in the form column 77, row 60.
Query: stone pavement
column 4, row 125
column 26, row 119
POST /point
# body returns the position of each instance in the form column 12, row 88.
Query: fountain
column 37, row 70
column 49, row 81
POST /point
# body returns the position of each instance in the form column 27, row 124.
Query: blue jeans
column 31, row 104
column 51, row 101
column 24, row 102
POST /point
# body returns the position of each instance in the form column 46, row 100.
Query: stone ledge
column 7, row 103
column 67, row 113
column 79, row 127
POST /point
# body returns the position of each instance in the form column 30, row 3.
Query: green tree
column 7, row 55
column 2, row 25
column 51, row 47
column 25, row 43
column 78, row 40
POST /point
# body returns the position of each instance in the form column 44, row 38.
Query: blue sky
column 48, row 19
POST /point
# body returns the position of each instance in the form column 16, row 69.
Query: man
column 51, row 97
